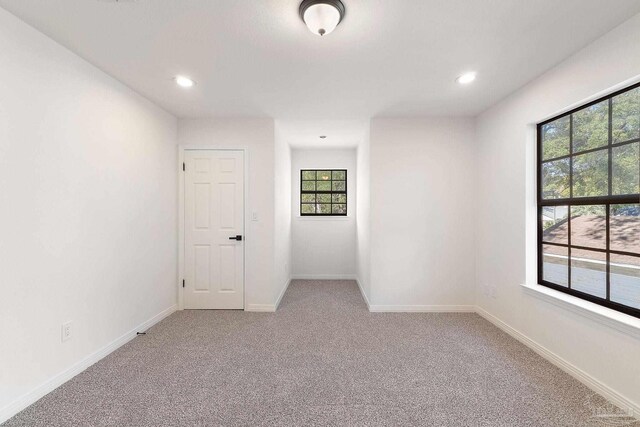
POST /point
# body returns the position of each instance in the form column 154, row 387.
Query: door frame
column 181, row 214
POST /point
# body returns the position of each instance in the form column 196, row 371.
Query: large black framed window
column 323, row 192
column 589, row 201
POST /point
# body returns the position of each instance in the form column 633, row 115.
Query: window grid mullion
column 595, row 200
column 539, row 199
column 588, row 248
column 316, row 192
column 610, row 193
column 608, row 201
column 592, row 150
column 570, row 206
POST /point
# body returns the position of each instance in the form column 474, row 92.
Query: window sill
column 620, row 321
column 322, row 218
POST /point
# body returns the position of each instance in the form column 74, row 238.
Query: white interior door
column 214, row 229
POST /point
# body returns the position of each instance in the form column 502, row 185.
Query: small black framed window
column 589, row 201
column 323, row 192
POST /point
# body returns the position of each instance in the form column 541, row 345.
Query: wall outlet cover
column 66, row 331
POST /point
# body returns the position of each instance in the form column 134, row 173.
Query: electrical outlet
column 254, row 216
column 493, row 291
column 66, row 331
column 286, row 267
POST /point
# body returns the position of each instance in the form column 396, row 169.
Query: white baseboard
column 364, row 295
column 614, row 397
column 267, row 308
column 57, row 380
column 323, row 277
column 377, row 308
column 422, row 308
column 286, row 286
column 608, row 393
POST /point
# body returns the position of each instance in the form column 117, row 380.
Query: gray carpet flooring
column 322, row 359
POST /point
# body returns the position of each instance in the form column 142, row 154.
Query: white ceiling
column 304, row 134
column 387, row 57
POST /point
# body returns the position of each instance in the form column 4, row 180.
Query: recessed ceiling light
column 323, row 136
column 184, row 81
column 322, row 16
column 466, row 78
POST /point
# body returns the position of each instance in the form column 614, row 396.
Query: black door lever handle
column 238, row 238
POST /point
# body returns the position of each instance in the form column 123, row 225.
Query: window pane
column 325, row 209
column 625, row 172
column 555, row 264
column 589, row 226
column 339, row 175
column 624, row 228
column 589, row 272
column 555, row 227
column 308, row 175
column 555, row 179
column 339, row 209
column 625, row 280
column 591, row 127
column 555, row 138
column 317, row 187
column 592, row 156
column 626, row 116
column 590, row 174
column 339, row 198
column 324, row 185
column 308, row 209
column 324, row 175
column 308, row 198
column 339, row 186
column 324, row 198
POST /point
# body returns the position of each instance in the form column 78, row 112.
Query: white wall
column 257, row 136
column 282, row 231
column 506, row 184
column 422, row 212
column 88, row 219
column 363, row 216
column 324, row 248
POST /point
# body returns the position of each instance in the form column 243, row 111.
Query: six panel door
column 214, row 217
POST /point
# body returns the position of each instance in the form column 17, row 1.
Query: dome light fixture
column 322, row 16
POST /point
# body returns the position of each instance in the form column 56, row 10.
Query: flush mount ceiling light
column 184, row 81
column 322, row 16
column 466, row 78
